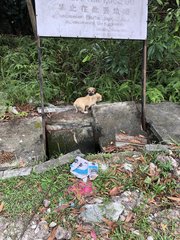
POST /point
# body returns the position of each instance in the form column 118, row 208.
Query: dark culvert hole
column 64, row 141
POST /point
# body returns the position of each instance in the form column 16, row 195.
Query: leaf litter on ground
column 109, row 183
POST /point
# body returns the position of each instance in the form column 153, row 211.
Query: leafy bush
column 112, row 66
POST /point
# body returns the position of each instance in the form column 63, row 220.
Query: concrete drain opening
column 67, row 131
column 62, row 141
column 92, row 132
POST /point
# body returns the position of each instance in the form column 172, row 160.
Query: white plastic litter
column 83, row 169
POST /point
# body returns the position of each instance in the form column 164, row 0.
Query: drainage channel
column 67, row 131
column 65, row 137
column 63, row 141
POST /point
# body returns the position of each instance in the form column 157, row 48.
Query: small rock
column 114, row 210
column 9, row 238
column 177, row 172
column 92, row 213
column 42, row 228
column 72, row 205
column 62, row 233
column 34, row 226
column 128, row 167
column 13, row 110
column 95, row 200
column 153, row 170
column 36, row 230
column 104, row 167
column 164, row 158
column 41, row 232
column 174, row 163
column 122, row 218
column 150, row 217
column 52, row 224
column 61, row 202
column 150, row 238
column 156, row 148
column 43, row 225
column 46, row 203
column 48, row 210
column 136, row 232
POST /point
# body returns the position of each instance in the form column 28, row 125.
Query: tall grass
column 112, row 66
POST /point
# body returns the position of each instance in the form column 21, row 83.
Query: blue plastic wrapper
column 83, row 169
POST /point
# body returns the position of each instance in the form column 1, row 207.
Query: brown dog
column 91, row 91
column 82, row 104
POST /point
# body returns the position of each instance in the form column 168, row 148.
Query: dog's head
column 91, row 91
column 98, row 97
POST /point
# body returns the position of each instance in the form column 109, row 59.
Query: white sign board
column 117, row 19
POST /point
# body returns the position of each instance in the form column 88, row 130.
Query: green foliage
column 112, row 66
column 163, row 53
column 154, row 95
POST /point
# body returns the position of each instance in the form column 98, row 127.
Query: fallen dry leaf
column 82, row 189
column 129, row 174
column 20, row 183
column 176, row 199
column 109, row 149
column 136, row 141
column 141, row 136
column 93, row 235
column 125, row 138
column 129, row 217
column 152, row 200
column 163, row 226
column 75, row 211
column 83, row 229
column 153, row 170
column 115, row 191
column 1, row 207
column 62, row 207
column 141, row 159
column 22, row 163
column 39, row 187
column 127, row 148
column 6, row 156
column 42, row 209
column 109, row 223
column 131, row 159
column 53, row 234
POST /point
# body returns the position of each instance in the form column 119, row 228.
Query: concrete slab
column 164, row 121
column 17, row 172
column 13, row 228
column 111, row 118
column 22, row 138
column 53, row 163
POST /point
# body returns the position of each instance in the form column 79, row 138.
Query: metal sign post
column 40, row 75
column 144, row 77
